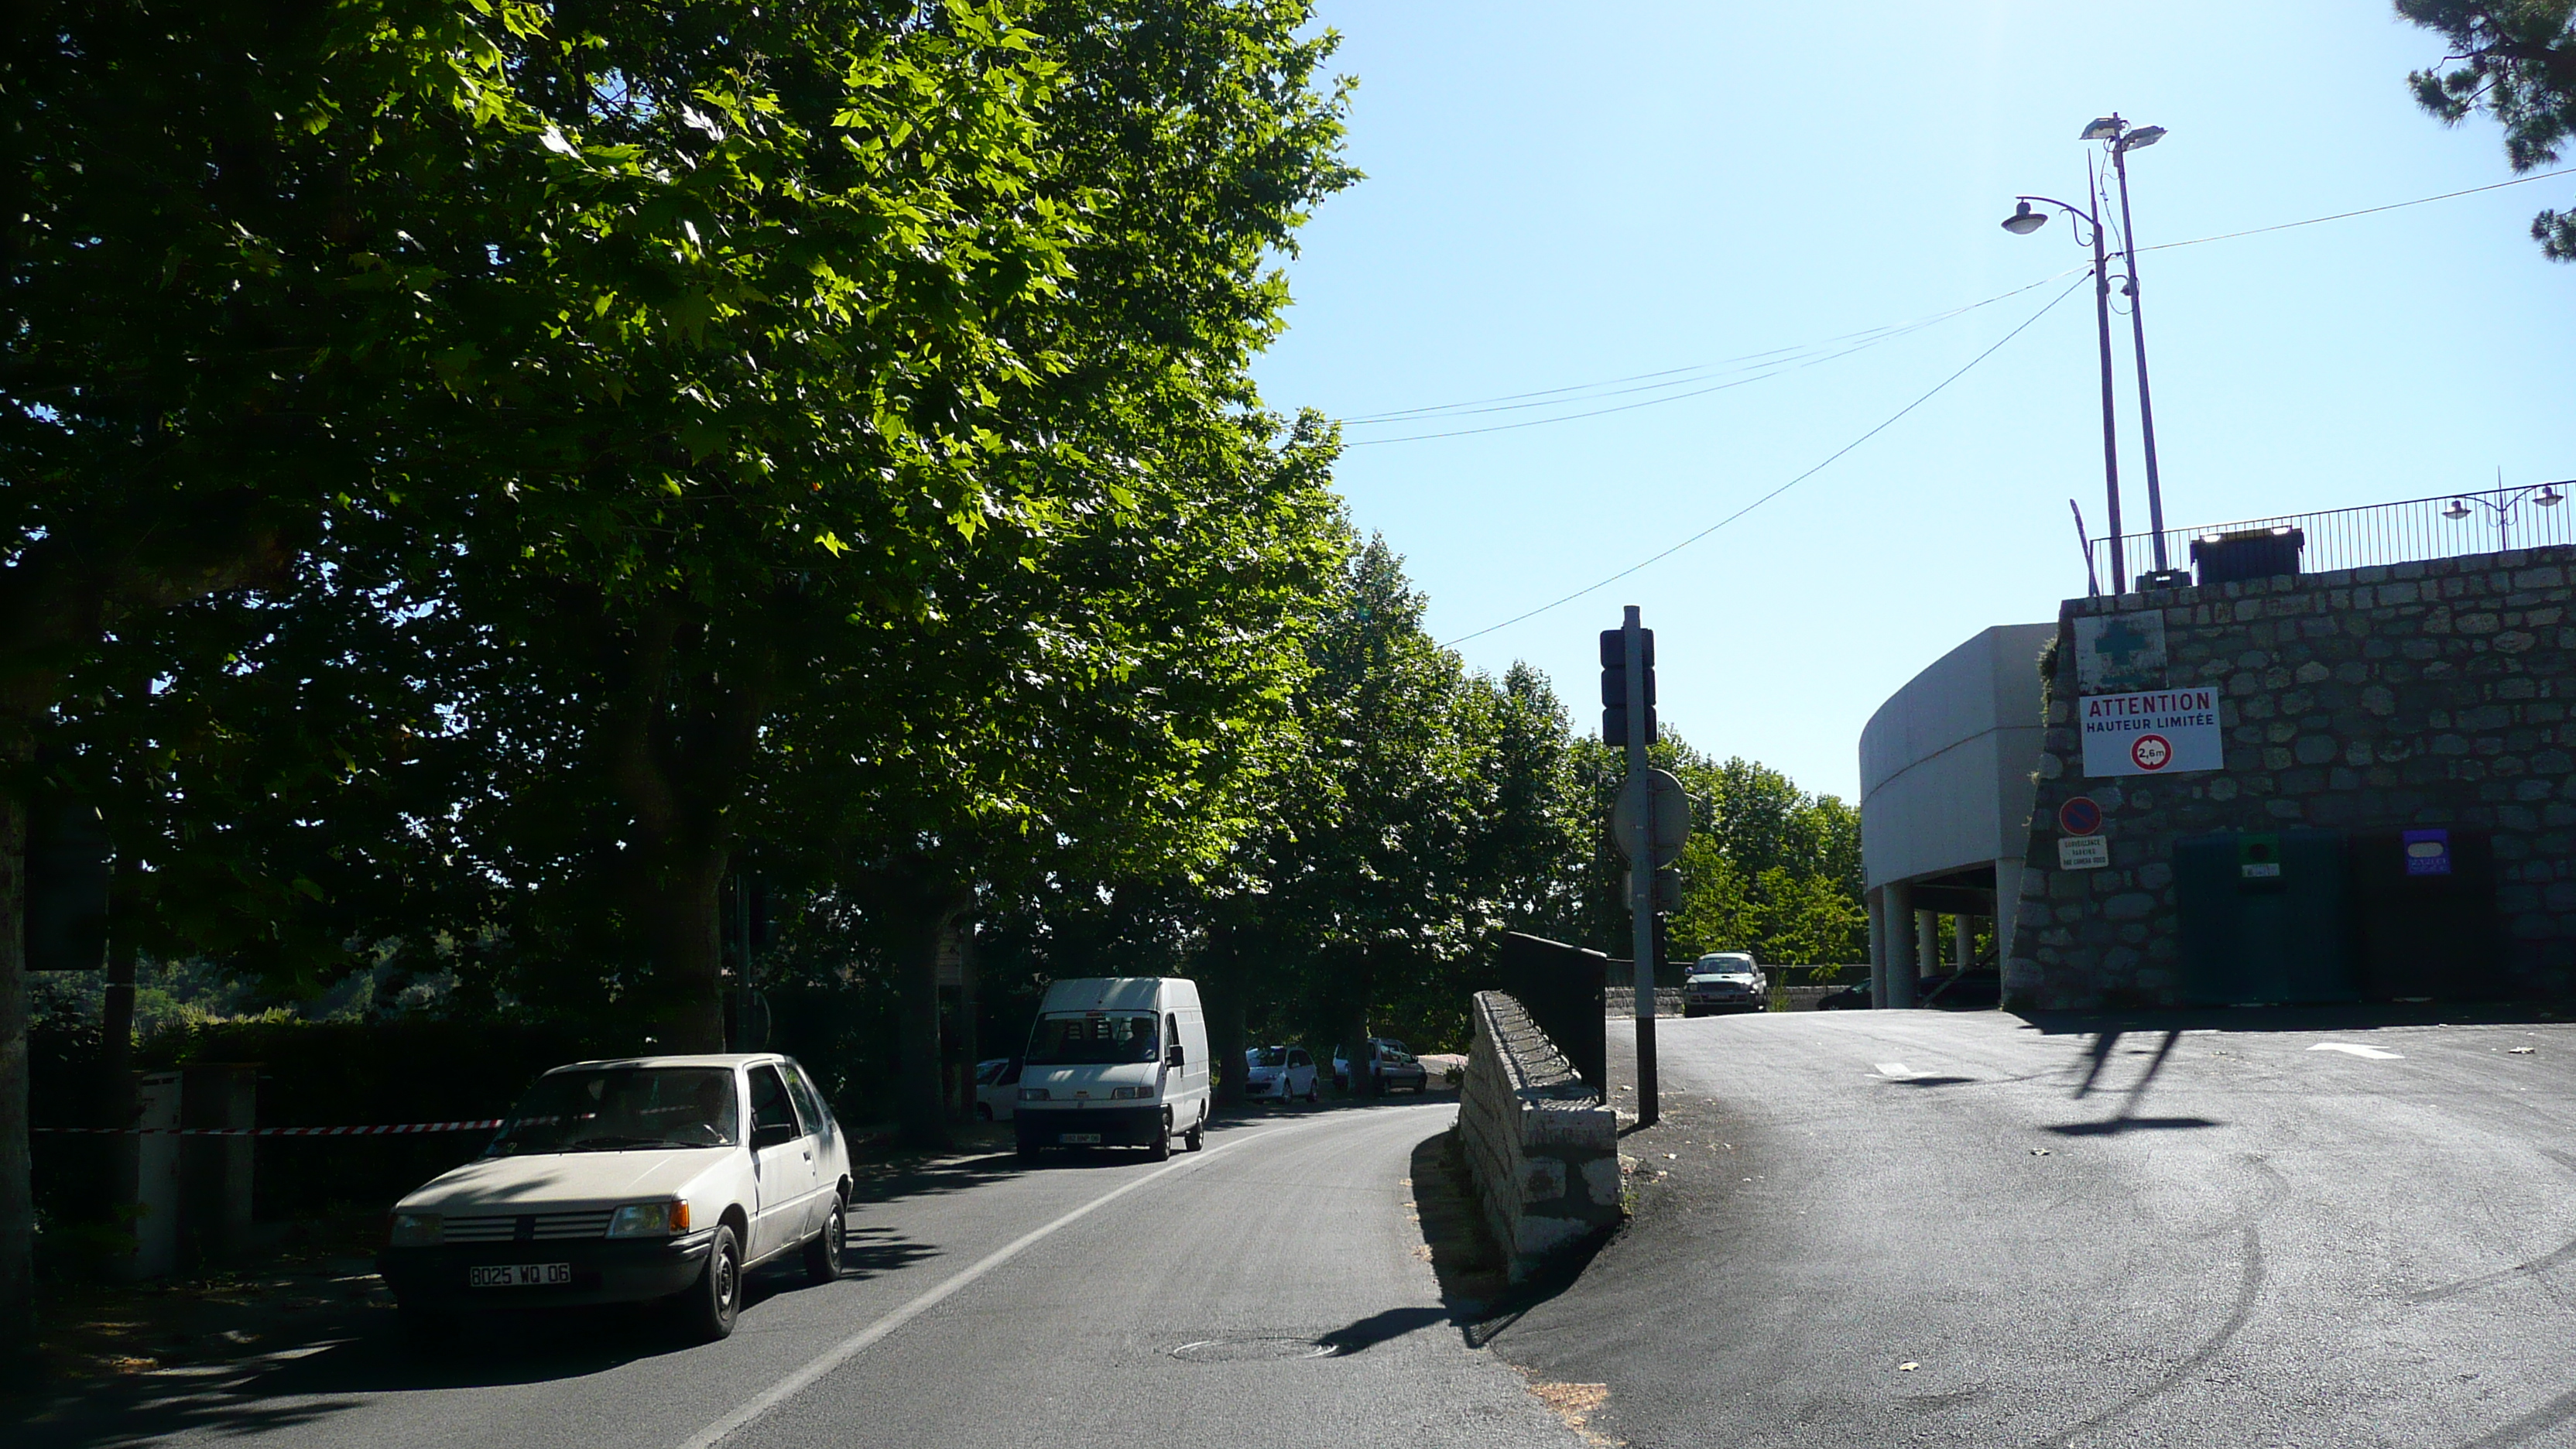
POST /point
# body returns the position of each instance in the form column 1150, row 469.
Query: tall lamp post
column 2120, row 138
column 2023, row 222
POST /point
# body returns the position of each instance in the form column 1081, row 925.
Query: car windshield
column 1091, row 1038
column 1267, row 1056
column 604, row 1109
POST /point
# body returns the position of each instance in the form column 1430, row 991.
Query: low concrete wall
column 1543, row 1149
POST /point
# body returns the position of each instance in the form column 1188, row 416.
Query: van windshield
column 1078, row 1039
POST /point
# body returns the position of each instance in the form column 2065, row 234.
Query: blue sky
column 1561, row 195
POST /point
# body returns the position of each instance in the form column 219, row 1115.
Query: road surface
column 1269, row 1290
column 1922, row 1228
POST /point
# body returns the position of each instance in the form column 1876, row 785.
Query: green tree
column 2516, row 61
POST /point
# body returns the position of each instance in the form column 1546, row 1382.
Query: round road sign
column 2079, row 816
column 2151, row 752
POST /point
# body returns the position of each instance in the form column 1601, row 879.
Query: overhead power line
column 1829, row 461
column 1780, row 360
column 1762, row 365
column 2365, row 211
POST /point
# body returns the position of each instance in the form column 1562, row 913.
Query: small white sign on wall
column 2082, row 852
column 2158, row 732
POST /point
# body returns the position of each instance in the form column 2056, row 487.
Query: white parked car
column 997, row 1087
column 1279, row 1073
column 1395, row 1066
column 631, row 1181
column 1725, row 981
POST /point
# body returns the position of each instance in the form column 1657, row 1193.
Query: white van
column 1115, row 1061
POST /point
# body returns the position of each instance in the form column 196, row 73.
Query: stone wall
column 2419, row 694
column 1543, row 1149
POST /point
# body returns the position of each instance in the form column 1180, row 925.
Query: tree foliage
column 2516, row 61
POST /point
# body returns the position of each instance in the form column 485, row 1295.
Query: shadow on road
column 372, row 1357
column 1477, row 1295
column 2344, row 1016
column 1379, row 1328
column 2117, row 1125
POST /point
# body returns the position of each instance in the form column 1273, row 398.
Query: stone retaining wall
column 2418, row 694
column 1544, row 1151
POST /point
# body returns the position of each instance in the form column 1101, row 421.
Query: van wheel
column 1196, row 1138
column 823, row 1255
column 1162, row 1148
column 708, row 1309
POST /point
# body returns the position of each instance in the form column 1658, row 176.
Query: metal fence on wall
column 2489, row 521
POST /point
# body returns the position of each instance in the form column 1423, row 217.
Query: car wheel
column 823, row 1255
column 708, row 1310
column 1311, row 1094
column 983, row 1111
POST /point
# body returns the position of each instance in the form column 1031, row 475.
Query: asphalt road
column 1919, row 1228
column 1272, row 1289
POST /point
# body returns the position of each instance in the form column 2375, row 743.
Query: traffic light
column 1614, row 684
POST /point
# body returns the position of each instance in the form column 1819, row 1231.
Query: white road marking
column 866, row 1338
column 1895, row 1069
column 2375, row 1054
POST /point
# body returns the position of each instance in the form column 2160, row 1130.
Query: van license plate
column 1079, row 1139
column 520, row 1275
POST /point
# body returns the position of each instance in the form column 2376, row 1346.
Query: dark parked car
column 1966, row 991
column 1850, row 998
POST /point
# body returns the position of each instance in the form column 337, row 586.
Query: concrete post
column 156, row 1178
column 1925, row 950
column 1903, row 947
column 1877, row 902
column 1963, row 941
column 2008, row 873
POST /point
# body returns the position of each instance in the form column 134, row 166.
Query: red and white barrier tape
column 483, row 1126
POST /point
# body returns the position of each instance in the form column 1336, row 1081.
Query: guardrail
column 2490, row 520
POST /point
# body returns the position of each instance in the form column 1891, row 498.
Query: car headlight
column 649, row 1220
column 415, row 1230
column 1033, row 1094
column 1129, row 1094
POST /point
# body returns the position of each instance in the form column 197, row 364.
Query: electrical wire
column 1788, row 359
column 1785, row 359
column 1785, row 487
column 2365, row 211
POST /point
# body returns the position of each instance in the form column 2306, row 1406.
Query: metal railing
column 2489, row 520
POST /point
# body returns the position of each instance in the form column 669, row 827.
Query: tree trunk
column 1221, row 979
column 966, row 1018
column 919, row 907
column 17, row 1183
column 684, row 919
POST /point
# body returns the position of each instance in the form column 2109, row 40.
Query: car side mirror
column 1172, row 1055
column 772, row 1134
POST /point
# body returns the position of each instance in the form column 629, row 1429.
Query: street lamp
column 2023, row 222
column 2121, row 142
column 2541, row 495
column 2120, row 138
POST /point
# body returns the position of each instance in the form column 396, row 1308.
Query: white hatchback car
column 631, row 1181
column 1278, row 1073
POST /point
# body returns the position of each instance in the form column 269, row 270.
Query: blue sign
column 2428, row 852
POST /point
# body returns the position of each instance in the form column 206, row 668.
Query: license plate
column 520, row 1275
column 1079, row 1139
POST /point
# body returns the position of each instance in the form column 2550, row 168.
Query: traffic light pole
column 1641, row 871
